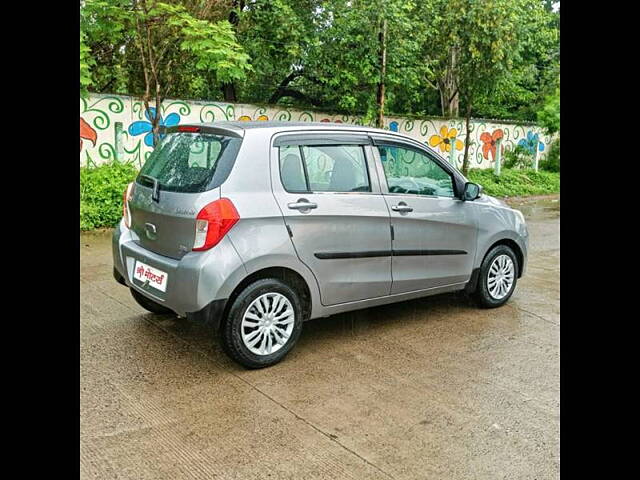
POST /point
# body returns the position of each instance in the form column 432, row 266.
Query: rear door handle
column 302, row 204
column 402, row 207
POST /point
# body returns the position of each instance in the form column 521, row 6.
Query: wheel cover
column 500, row 277
column 267, row 324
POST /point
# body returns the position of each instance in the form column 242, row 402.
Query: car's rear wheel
column 498, row 277
column 149, row 304
column 263, row 324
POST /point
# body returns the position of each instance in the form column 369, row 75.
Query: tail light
column 213, row 222
column 125, row 204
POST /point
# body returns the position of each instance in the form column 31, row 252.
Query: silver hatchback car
column 255, row 227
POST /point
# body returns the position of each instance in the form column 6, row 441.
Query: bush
column 551, row 163
column 519, row 157
column 101, row 190
column 515, row 183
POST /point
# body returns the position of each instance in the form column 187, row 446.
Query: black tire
column 231, row 329
column 481, row 295
column 149, row 304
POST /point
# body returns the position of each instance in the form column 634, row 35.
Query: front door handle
column 402, row 207
column 302, row 204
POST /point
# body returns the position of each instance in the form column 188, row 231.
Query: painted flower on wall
column 87, row 133
column 529, row 143
column 489, row 142
column 144, row 127
column 445, row 139
column 247, row 118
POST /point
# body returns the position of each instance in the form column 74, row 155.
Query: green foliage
column 549, row 116
column 86, row 62
column 278, row 36
column 515, row 183
column 551, row 163
column 485, row 37
column 325, row 53
column 101, row 190
column 150, row 46
column 534, row 69
column 109, row 39
column 212, row 45
column 517, row 157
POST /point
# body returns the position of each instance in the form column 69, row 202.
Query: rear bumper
column 194, row 283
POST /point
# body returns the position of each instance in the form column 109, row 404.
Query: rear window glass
column 324, row 168
column 191, row 162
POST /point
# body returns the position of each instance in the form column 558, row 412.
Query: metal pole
column 535, row 156
column 119, row 142
column 452, row 152
column 498, row 157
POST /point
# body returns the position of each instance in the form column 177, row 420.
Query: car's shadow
column 203, row 339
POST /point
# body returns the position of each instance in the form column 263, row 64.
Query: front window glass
column 190, row 162
column 411, row 171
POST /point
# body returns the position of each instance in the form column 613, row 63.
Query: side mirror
column 471, row 191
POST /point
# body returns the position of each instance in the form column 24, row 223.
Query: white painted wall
column 102, row 115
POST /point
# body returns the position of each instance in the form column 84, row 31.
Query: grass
column 516, row 183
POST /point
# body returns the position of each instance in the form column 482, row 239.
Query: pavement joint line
column 297, row 416
column 535, row 267
column 534, row 314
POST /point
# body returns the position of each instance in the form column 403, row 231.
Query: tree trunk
column 229, row 89
column 155, row 120
column 229, row 92
column 448, row 86
column 382, row 37
column 467, row 141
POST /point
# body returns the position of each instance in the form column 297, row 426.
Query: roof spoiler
column 195, row 127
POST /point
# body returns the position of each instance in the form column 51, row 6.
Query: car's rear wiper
column 155, row 195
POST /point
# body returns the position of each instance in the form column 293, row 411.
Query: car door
column 434, row 233
column 335, row 213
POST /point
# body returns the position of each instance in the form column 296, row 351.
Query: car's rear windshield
column 190, row 162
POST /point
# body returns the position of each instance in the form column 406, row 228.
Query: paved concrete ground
column 433, row 388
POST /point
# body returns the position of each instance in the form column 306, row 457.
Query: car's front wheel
column 263, row 324
column 498, row 277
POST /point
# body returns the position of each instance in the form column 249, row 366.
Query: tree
column 535, row 70
column 534, row 57
column 277, row 34
column 158, row 37
column 484, row 36
column 439, row 19
column 345, row 67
